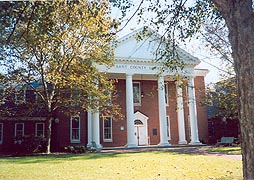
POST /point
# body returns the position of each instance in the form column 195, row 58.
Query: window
column 19, row 96
column 107, row 129
column 75, row 129
column 166, row 93
column 154, row 132
column 39, row 129
column 136, row 93
column 1, row 132
column 168, row 127
column 138, row 122
column 19, row 130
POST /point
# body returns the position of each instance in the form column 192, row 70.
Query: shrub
column 29, row 144
column 76, row 149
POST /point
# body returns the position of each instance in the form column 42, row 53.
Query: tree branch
column 16, row 23
column 131, row 16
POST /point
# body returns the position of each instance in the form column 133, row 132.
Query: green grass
column 226, row 150
column 129, row 166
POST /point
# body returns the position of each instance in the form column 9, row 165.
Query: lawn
column 145, row 165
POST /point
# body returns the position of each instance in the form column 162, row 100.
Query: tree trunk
column 239, row 18
column 49, row 129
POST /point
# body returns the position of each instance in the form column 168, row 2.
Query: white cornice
column 201, row 72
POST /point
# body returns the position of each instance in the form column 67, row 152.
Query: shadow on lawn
column 54, row 158
column 59, row 157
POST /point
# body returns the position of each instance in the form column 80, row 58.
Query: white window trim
column 111, row 139
column 74, row 140
column 166, row 94
column 168, row 127
column 137, row 104
column 36, row 130
column 2, row 133
column 23, row 129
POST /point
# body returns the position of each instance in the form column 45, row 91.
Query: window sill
column 75, row 141
column 107, row 140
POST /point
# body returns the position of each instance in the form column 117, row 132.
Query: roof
column 141, row 46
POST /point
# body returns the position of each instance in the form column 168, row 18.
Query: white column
column 89, row 128
column 162, row 113
column 130, row 112
column 180, row 115
column 96, row 128
column 193, row 112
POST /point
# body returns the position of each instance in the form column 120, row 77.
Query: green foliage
column 177, row 21
column 28, row 144
column 57, row 45
column 76, row 149
column 223, row 97
column 181, row 20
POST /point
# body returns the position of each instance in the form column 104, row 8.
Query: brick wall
column 149, row 107
column 9, row 129
column 61, row 132
column 202, row 110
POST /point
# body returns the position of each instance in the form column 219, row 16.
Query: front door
column 140, row 133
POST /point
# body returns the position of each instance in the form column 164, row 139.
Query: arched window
column 138, row 122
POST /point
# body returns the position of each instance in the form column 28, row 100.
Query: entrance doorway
column 139, row 132
column 140, row 123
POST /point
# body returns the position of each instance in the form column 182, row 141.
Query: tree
column 182, row 19
column 239, row 19
column 56, row 45
column 223, row 97
column 221, row 102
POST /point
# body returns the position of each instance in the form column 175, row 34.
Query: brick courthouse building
column 157, row 111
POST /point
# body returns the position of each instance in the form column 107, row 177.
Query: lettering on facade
column 136, row 67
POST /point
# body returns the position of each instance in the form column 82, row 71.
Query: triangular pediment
column 133, row 48
column 140, row 116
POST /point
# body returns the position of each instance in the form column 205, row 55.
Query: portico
column 134, row 62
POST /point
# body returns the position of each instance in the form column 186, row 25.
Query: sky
column 208, row 61
column 195, row 48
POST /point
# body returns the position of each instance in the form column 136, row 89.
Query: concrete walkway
column 185, row 149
